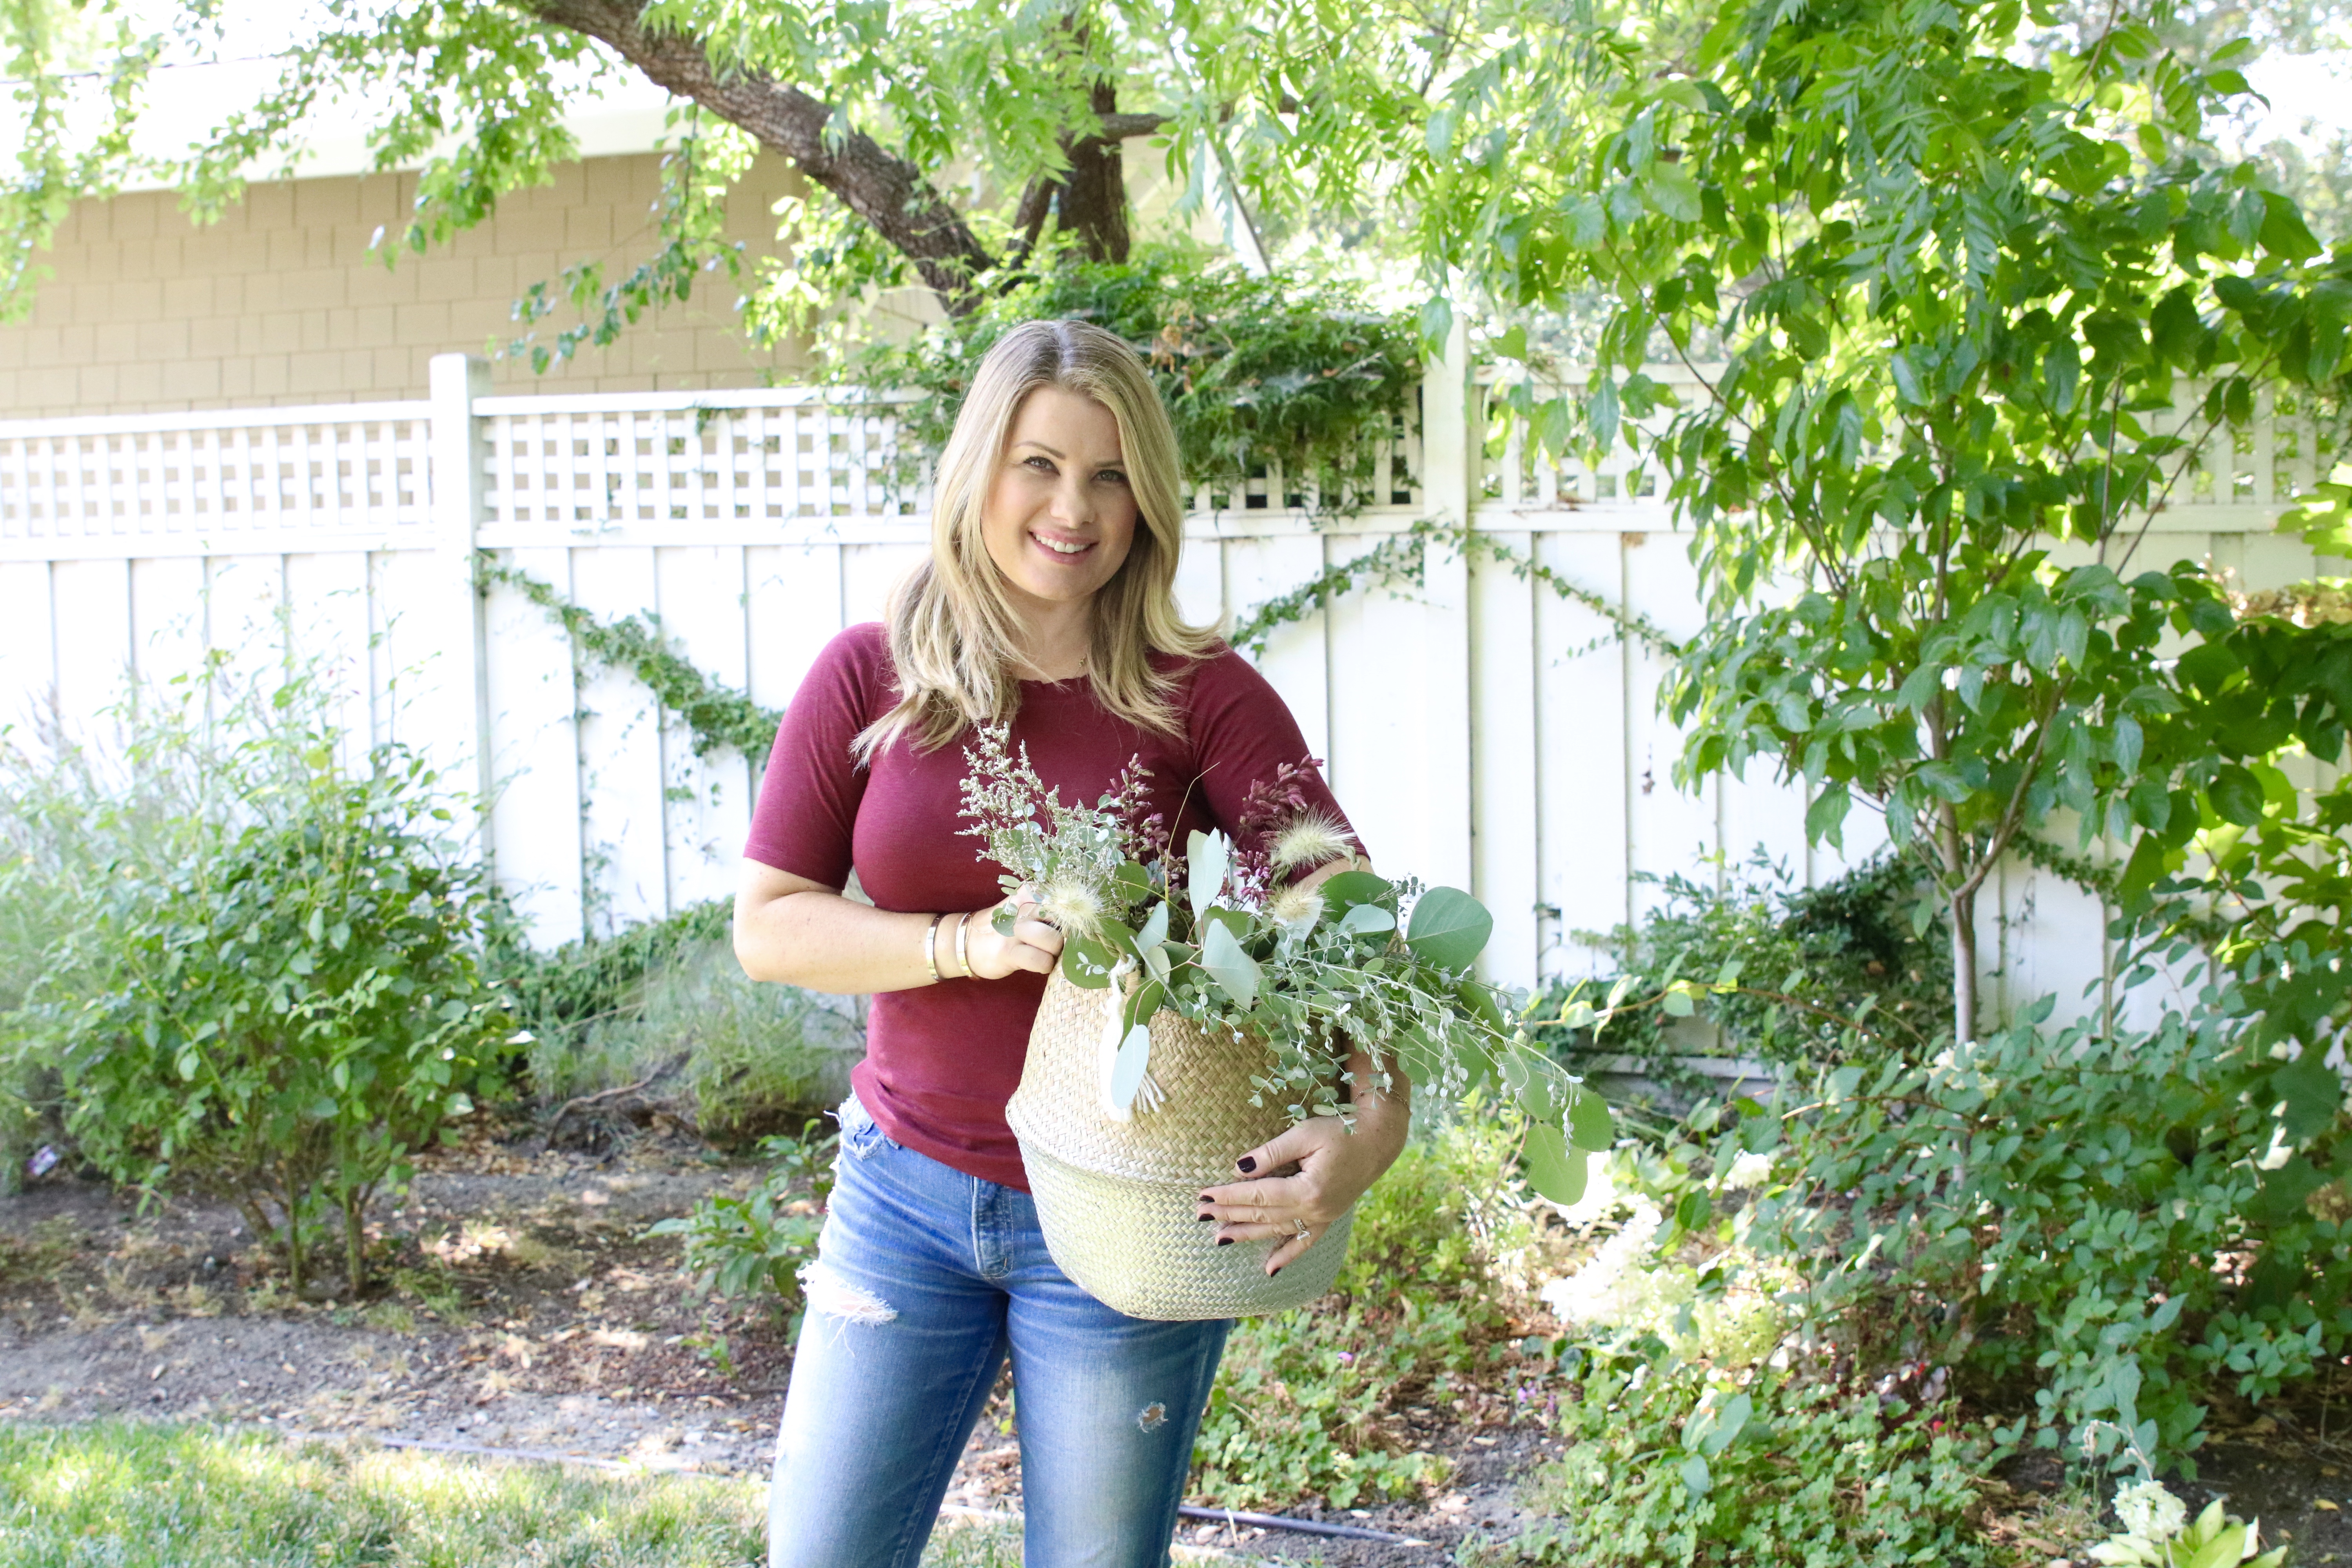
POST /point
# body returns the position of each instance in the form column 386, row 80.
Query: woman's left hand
column 1333, row 1166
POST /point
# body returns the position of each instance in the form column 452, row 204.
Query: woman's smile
column 1059, row 515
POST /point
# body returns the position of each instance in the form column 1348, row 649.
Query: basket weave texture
column 1117, row 1200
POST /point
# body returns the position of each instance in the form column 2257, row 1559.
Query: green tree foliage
column 1973, row 317
column 1255, row 370
column 292, row 1004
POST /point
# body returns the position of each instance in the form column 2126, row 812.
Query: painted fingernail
column 1276, row 1269
column 1205, row 1198
column 1246, row 1164
column 1224, row 1241
column 1204, row 1218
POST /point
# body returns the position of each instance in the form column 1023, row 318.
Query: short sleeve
column 807, row 811
column 1242, row 735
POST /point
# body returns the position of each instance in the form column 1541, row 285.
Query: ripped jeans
column 925, row 1279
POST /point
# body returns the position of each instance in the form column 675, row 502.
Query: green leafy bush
column 1307, row 1403
column 1667, row 1464
column 2106, row 1221
column 1854, row 967
column 293, row 1002
column 1253, row 369
column 759, row 1243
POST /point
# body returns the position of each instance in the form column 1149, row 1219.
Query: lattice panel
column 2264, row 464
column 604, row 468
column 364, row 470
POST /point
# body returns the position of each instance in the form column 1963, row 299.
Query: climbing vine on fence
column 720, row 717
column 1401, row 560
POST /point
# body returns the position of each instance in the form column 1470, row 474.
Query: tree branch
column 885, row 190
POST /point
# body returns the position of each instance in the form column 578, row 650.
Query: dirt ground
column 522, row 1309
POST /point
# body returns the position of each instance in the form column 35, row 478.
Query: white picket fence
column 1483, row 731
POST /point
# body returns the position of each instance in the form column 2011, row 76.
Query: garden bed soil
column 520, row 1307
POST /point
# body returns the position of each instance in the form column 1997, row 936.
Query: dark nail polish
column 1204, row 1218
column 1246, row 1164
column 1276, row 1269
column 1224, row 1241
column 1205, row 1198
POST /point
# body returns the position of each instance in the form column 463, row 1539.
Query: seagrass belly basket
column 1117, row 1200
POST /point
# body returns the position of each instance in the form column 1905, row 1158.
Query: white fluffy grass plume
column 1311, row 841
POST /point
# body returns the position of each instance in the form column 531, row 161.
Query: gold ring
column 1303, row 1228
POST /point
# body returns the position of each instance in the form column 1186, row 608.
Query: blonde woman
column 1047, row 602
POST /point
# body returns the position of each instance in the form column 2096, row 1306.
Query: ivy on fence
column 718, row 716
column 1401, row 560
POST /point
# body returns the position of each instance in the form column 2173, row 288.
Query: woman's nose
column 1072, row 503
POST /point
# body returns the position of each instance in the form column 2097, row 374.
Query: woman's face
column 1059, row 516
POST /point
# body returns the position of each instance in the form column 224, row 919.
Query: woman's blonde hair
column 954, row 636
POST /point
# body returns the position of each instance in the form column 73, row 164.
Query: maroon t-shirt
column 941, row 1060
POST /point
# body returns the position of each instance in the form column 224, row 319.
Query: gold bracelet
column 964, row 951
column 932, row 946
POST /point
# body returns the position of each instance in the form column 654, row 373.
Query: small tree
column 1962, row 321
column 291, row 1010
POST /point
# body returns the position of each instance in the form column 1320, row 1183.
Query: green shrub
column 2111, row 1222
column 291, row 1004
column 67, row 813
column 758, row 1244
column 1790, row 974
column 1307, row 1402
column 1667, row 1464
column 668, row 997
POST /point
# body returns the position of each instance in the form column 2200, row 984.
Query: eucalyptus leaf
column 1207, row 857
column 1588, row 1124
column 1127, row 1072
column 1087, row 964
column 1449, row 927
column 1364, row 919
column 1553, row 1169
column 1235, row 970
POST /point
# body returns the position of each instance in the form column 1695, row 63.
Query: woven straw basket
column 1117, row 1200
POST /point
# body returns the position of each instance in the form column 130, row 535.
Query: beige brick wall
column 280, row 303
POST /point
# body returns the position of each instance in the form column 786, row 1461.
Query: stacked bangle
column 963, row 952
column 932, row 946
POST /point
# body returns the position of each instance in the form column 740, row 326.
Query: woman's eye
column 1113, row 474
column 1043, row 465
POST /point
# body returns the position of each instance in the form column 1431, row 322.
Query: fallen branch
column 606, row 1096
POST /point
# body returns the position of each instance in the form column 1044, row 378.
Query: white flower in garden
column 1311, row 840
column 2150, row 1512
column 1597, row 1292
column 1750, row 1170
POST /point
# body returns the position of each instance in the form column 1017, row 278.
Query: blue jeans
column 925, row 1279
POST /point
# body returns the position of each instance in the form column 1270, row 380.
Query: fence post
column 1449, row 477
column 461, row 737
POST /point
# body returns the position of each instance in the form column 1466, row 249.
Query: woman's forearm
column 799, row 932
column 822, row 941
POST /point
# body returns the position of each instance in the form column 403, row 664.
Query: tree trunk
column 888, row 192
column 1093, row 202
column 1960, row 906
column 1963, row 912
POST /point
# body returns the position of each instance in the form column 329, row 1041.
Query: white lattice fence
column 1482, row 729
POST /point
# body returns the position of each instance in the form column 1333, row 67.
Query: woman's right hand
column 1034, row 944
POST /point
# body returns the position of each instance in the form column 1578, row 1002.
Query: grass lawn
column 126, row 1495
